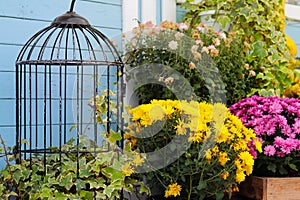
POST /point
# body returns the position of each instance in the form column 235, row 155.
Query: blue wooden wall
column 20, row 19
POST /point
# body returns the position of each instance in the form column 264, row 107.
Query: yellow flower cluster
column 173, row 190
column 294, row 89
column 292, row 47
column 203, row 121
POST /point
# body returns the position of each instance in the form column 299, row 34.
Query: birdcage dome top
column 69, row 40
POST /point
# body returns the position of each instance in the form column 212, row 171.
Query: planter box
column 268, row 188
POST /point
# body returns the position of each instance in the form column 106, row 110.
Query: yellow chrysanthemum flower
column 224, row 136
column 292, row 46
column 127, row 169
column 240, row 176
column 208, row 155
column 223, row 158
column 180, row 127
column 247, row 158
column 225, row 175
column 173, row 190
column 258, row 145
column 138, row 160
column 156, row 113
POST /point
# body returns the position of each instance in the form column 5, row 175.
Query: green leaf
column 113, row 173
column 144, row 189
column 100, row 195
column 80, row 184
column 13, row 194
column 293, row 166
column 202, row 185
column 272, row 167
column 224, row 20
column 259, row 49
column 219, row 195
column 282, row 170
column 72, row 127
column 266, row 93
column 66, row 181
column 114, row 137
column 17, row 176
column 86, row 194
column 109, row 190
column 273, row 58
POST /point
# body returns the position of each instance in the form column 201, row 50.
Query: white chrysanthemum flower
column 216, row 41
column 194, row 48
column 183, row 26
column 179, row 35
column 173, row 45
column 222, row 35
column 169, row 80
column 211, row 47
column 205, row 49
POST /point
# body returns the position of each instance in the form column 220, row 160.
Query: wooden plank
column 283, row 188
column 266, row 188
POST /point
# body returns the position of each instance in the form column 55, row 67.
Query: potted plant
column 211, row 62
column 192, row 150
column 275, row 121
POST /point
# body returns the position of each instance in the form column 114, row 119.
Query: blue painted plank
column 8, row 134
column 293, row 31
column 110, row 2
column 10, row 53
column 179, row 13
column 7, row 86
column 158, row 11
column 15, row 31
column 7, row 110
column 96, row 13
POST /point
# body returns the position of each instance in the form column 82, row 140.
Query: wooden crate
column 267, row 188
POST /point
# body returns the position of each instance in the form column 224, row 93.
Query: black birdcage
column 59, row 73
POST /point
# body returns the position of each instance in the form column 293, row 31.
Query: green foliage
column 74, row 171
column 259, row 25
column 99, row 175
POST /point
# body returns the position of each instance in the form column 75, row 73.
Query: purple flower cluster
column 275, row 121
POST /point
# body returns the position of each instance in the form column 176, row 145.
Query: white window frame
column 146, row 10
column 292, row 12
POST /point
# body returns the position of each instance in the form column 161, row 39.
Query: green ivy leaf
column 86, row 194
column 100, row 195
column 66, row 181
column 109, row 190
column 13, row 194
column 80, row 184
column 266, row 93
column 114, row 137
column 113, row 173
column 224, row 20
